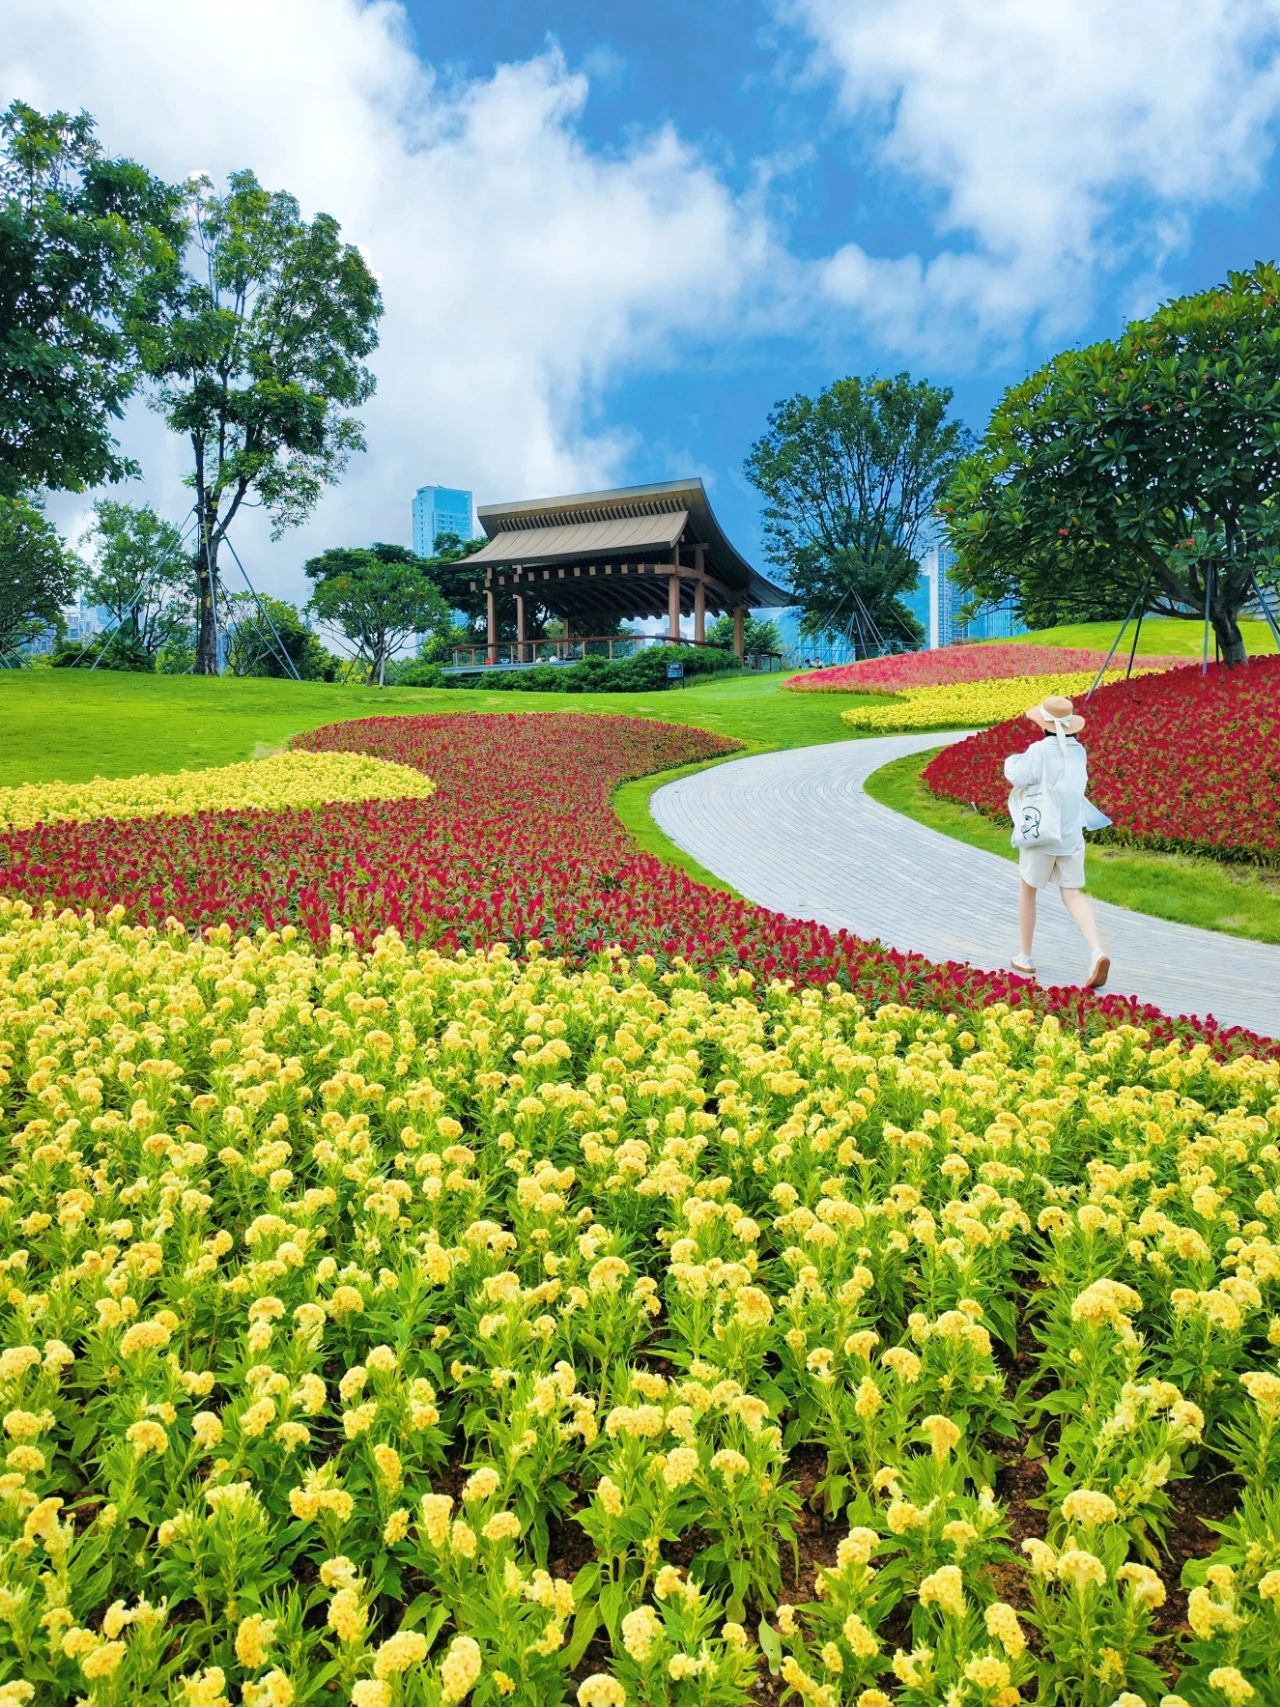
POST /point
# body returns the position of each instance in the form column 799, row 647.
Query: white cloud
column 521, row 270
column 1034, row 129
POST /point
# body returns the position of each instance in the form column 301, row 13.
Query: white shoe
column 1099, row 971
column 1023, row 965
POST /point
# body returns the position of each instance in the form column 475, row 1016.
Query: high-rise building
column 437, row 510
column 938, row 601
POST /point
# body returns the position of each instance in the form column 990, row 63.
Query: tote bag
column 1036, row 809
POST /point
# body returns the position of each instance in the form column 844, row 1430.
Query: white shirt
column 1043, row 763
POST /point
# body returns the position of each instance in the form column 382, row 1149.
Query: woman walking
column 1053, row 773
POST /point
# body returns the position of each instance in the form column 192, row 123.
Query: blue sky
column 611, row 238
column 739, row 80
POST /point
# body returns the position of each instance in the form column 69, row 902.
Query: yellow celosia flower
column 959, row 705
column 1081, row 1569
column 460, row 1669
column 254, row 1635
column 147, row 1436
column 281, row 780
column 406, row 1648
column 641, row 1631
column 944, row 1588
column 600, row 1690
column 1231, row 1683
column 1089, row 1507
column 1002, row 1623
column 988, row 1671
column 346, row 1616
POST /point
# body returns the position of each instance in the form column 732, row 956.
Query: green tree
column 1154, row 455
column 85, row 241
column 139, row 571
column 379, row 597
column 262, row 629
column 37, row 574
column 258, row 355
column 849, row 479
column 759, row 634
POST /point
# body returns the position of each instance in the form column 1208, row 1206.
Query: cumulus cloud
column 522, row 270
column 1052, row 141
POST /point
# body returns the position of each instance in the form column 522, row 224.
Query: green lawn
column 1167, row 635
column 1240, row 900
column 69, row 725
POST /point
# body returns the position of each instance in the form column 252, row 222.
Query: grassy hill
column 1167, row 635
column 69, row 725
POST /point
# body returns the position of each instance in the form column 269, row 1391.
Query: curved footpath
column 797, row 832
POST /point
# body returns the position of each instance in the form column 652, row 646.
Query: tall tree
column 759, row 634
column 139, row 571
column 379, row 597
column 1155, row 457
column 37, row 574
column 258, row 355
column 85, row 242
column 849, row 479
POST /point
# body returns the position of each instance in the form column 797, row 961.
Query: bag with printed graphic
column 1036, row 808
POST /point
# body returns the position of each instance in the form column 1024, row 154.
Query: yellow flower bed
column 342, row 1292
column 271, row 784
column 961, row 705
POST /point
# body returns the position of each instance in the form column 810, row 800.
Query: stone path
column 796, row 831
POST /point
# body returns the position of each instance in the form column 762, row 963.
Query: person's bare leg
column 1080, row 907
column 1027, row 918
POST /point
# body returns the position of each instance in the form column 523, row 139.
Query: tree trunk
column 206, row 568
column 1226, row 626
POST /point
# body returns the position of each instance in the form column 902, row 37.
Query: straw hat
column 1056, row 711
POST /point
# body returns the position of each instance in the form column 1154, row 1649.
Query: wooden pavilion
column 633, row 553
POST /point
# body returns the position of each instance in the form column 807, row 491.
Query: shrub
column 115, row 651
column 641, row 673
column 415, row 673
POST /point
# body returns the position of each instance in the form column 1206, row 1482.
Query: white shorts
column 1039, row 868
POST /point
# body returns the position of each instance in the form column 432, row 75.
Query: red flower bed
column 986, row 663
column 520, row 841
column 1186, row 761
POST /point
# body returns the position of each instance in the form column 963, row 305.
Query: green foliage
column 415, row 673
column 138, row 570
column 258, row 358
column 117, row 649
column 643, row 672
column 262, row 629
column 37, row 574
column 759, row 635
column 378, row 596
column 849, row 478
column 1157, row 453
column 84, row 240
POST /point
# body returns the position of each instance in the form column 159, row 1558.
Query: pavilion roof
column 596, row 527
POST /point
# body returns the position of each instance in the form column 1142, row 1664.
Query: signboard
column 675, row 673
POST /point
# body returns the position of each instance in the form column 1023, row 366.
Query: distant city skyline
column 937, row 600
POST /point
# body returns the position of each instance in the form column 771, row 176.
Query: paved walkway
column 795, row 831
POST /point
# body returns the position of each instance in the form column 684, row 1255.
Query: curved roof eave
column 656, row 497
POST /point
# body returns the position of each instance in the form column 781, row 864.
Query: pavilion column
column 491, row 603
column 673, row 605
column 699, row 612
column 520, row 629
column 740, row 630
